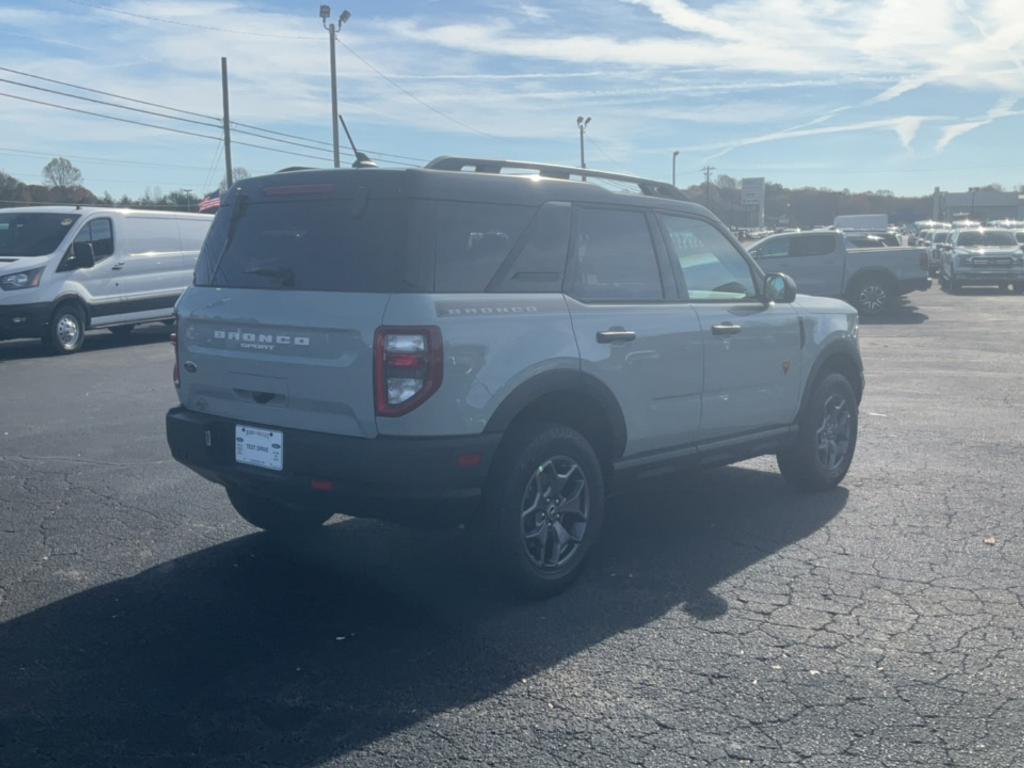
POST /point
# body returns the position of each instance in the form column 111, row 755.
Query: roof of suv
column 470, row 186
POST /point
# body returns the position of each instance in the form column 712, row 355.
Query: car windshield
column 941, row 237
column 991, row 239
column 33, row 234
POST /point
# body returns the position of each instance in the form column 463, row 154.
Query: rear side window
column 817, row 245
column 472, row 242
column 613, row 257
column 192, row 232
column 336, row 244
column 539, row 264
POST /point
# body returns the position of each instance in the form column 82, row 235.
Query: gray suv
column 493, row 344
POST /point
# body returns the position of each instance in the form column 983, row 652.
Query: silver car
column 463, row 345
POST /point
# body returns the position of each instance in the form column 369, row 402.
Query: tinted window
column 941, row 237
column 992, row 239
column 473, row 240
column 539, row 266
column 1020, row 238
column 818, row 245
column 100, row 233
column 613, row 257
column 338, row 244
column 711, row 266
column 773, row 248
column 33, row 234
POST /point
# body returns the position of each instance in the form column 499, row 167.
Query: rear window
column 355, row 244
column 813, row 245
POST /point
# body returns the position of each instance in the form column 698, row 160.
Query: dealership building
column 977, row 204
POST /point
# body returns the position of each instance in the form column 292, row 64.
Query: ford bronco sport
column 496, row 344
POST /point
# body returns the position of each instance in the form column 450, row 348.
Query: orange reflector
column 470, row 460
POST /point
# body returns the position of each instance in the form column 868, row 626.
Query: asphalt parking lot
column 724, row 621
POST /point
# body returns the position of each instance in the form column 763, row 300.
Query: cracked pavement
column 724, row 621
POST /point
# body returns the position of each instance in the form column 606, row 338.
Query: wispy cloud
column 1003, row 108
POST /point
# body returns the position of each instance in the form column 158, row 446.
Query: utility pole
column 707, row 184
column 332, row 31
column 188, row 200
column 675, row 154
column 582, row 123
column 229, row 175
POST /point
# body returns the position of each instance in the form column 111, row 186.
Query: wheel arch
column 574, row 398
column 881, row 273
column 839, row 356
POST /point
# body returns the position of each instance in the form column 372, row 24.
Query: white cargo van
column 66, row 269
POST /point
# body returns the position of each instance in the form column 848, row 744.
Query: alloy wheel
column 873, row 297
column 69, row 331
column 835, row 433
column 555, row 512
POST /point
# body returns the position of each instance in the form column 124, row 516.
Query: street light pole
column 332, row 31
column 188, row 200
column 582, row 123
column 675, row 154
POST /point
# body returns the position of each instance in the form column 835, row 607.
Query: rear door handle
column 612, row 336
column 119, row 265
column 726, row 329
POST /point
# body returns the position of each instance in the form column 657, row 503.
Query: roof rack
column 648, row 187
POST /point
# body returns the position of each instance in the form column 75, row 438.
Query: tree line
column 65, row 185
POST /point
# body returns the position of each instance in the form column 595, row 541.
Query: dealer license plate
column 259, row 447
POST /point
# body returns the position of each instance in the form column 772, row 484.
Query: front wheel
column 826, row 437
column 66, row 332
column 544, row 509
column 273, row 516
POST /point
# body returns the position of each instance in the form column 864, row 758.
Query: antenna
column 362, row 159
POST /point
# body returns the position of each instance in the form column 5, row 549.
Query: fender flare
column 844, row 349
column 568, row 382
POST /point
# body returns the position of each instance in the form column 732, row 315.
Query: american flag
column 210, row 203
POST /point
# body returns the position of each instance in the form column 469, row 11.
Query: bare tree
column 238, row 172
column 59, row 172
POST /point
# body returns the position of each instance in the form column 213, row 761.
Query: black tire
column 122, row 331
column 533, row 462
column 66, row 331
column 275, row 517
column 803, row 464
column 873, row 294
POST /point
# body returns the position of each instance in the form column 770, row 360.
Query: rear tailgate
column 282, row 359
column 905, row 263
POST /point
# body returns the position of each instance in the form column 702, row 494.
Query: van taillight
column 408, row 367
column 177, row 372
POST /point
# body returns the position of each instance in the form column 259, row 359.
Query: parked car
column 66, row 269
column 464, row 345
column 822, row 264
column 983, row 257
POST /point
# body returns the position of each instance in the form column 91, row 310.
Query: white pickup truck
column 823, row 264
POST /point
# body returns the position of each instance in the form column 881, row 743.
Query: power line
column 169, row 108
column 110, row 160
column 347, row 47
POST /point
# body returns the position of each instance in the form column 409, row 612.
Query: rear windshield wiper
column 285, row 275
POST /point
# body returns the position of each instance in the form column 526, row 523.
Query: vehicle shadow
column 95, row 341
column 253, row 652
column 904, row 313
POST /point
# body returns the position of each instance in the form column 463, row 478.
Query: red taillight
column 408, row 367
column 177, row 372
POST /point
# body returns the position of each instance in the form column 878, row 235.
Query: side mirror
column 83, row 256
column 779, row 288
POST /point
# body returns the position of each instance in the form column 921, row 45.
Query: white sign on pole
column 752, row 192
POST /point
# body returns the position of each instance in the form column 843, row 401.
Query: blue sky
column 861, row 94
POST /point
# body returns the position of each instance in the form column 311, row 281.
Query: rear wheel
column 121, row 331
column 826, row 439
column 872, row 295
column 66, row 332
column 544, row 509
column 273, row 516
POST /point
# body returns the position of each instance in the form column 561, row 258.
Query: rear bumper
column 909, row 285
column 383, row 477
column 24, row 321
